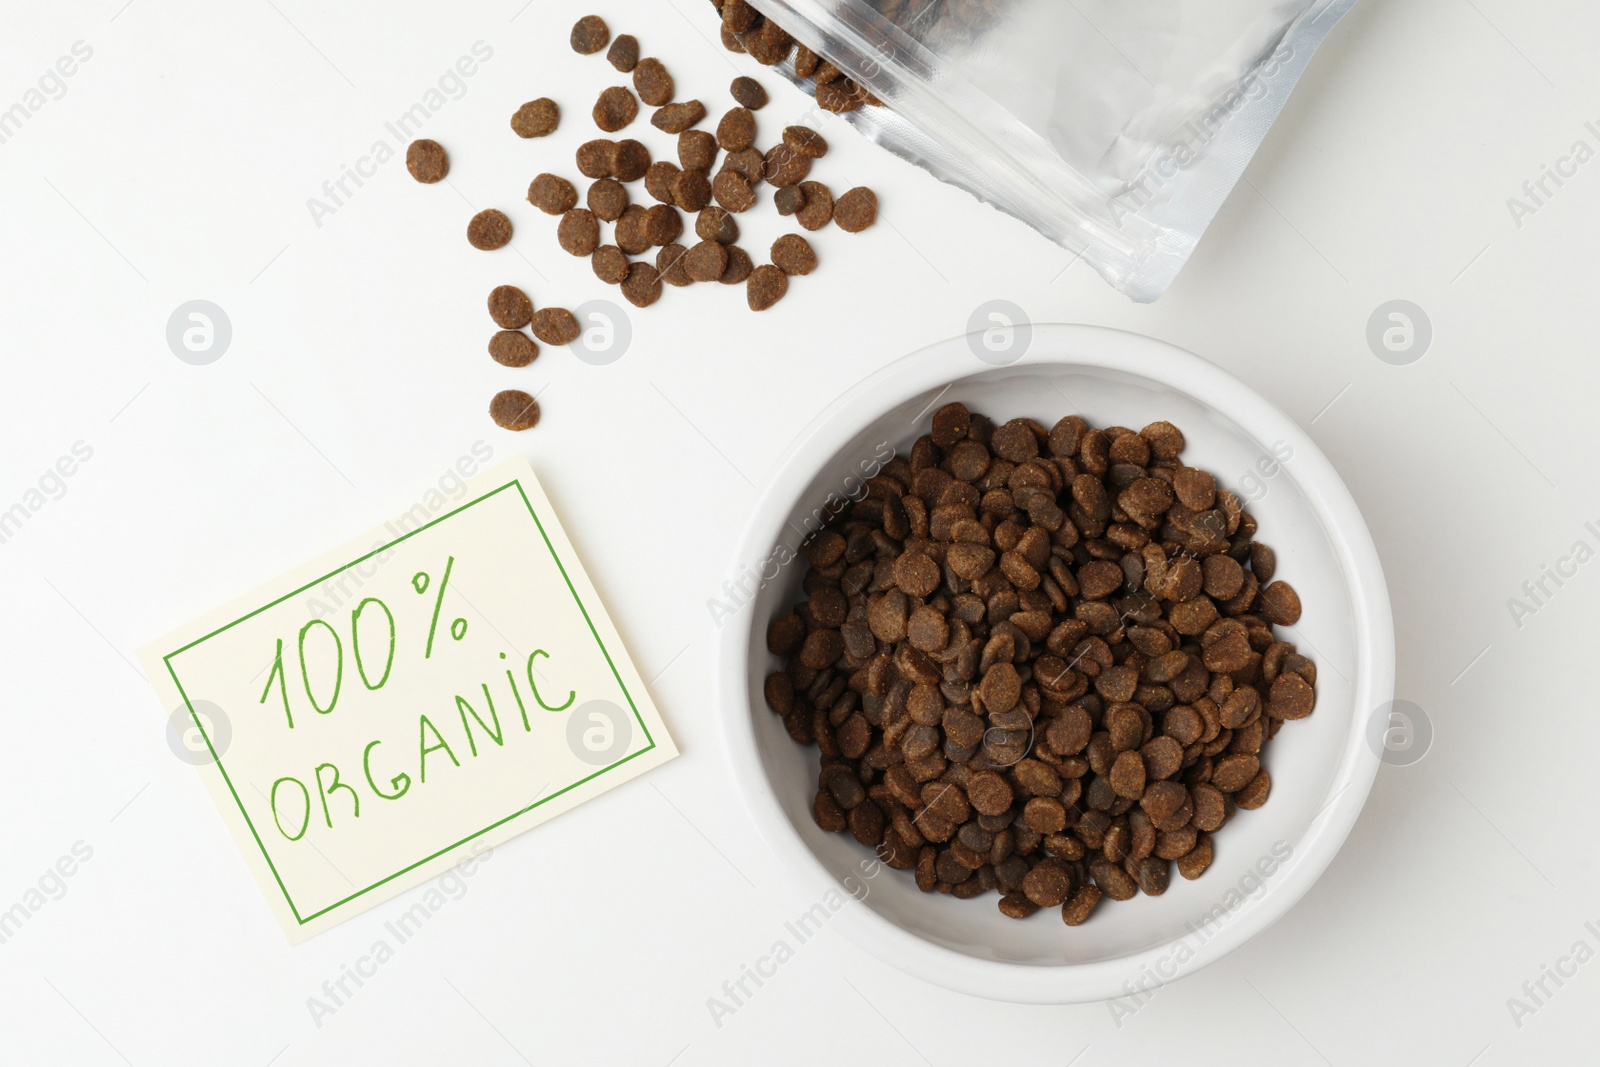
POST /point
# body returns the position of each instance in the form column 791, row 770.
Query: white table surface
column 177, row 165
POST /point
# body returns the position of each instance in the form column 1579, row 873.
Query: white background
column 178, row 164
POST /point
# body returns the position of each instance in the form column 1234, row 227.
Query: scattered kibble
column 615, row 109
column 513, row 348
column 510, row 307
column 784, row 166
column 793, row 254
column 818, row 209
column 512, row 409
column 856, row 210
column 489, row 230
column 716, row 224
column 555, row 326
column 642, row 287
column 675, row 118
column 706, row 261
column 594, row 158
column 765, row 287
column 737, row 130
column 589, row 35
column 697, row 150
column 739, row 266
column 610, row 264
column 806, row 141
column 630, row 160
column 552, row 195
column 536, row 118
column 624, row 53
column 427, row 161
column 652, row 82
column 578, row 232
column 749, row 93
column 608, row 199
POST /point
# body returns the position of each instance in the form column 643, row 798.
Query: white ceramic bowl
column 1322, row 766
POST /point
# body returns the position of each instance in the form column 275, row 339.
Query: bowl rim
column 1099, row 348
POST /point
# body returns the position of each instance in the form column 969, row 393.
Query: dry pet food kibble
column 642, row 287
column 658, row 180
column 510, row 307
column 739, row 266
column 749, row 164
column 1038, row 662
column 671, row 265
column 652, row 82
column 856, row 210
column 785, row 166
column 733, row 192
column 594, row 158
column 579, row 232
column 716, row 224
column 512, row 409
column 489, row 230
column 789, row 200
column 607, row 199
column 675, row 118
column 630, row 160
column 737, row 130
column 552, row 195
column 806, row 141
column 427, row 161
column 793, row 254
column 690, row 190
column 536, row 118
column 765, row 287
column 662, row 224
column 512, row 348
column 706, row 261
column 697, row 150
column 615, row 109
column 610, row 264
column 818, row 209
column 624, row 53
column 589, row 35
column 749, row 93
column 555, row 326
column 632, row 237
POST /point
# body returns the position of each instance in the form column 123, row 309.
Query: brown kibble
column 676, row 118
column 1280, row 604
column 594, row 158
column 555, row 326
column 1194, row 863
column 578, row 232
column 697, row 150
column 1127, row 775
column 716, row 224
column 1016, row 905
column 1076, row 910
column 589, row 35
column 489, row 230
column 512, row 409
column 1048, row 885
column 737, row 130
column 789, row 200
column 785, row 166
column 658, row 180
column 749, row 93
column 624, row 53
column 732, row 192
column 536, row 118
column 670, row 265
column 806, row 62
column 652, row 82
column 607, row 199
column 765, row 287
column 427, row 161
column 630, row 160
column 916, row 574
column 749, row 164
column 1001, row 686
column 662, row 225
column 615, row 109
column 793, row 254
column 1263, row 562
column 552, row 195
column 631, row 234
column 818, row 209
column 1291, row 697
column 642, row 287
column 856, row 210
column 510, row 307
column 691, row 191
column 989, row 793
column 513, row 348
column 839, row 96
column 706, row 262
column 739, row 266
column 806, row 141
column 610, row 264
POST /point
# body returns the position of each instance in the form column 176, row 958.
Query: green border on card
column 544, row 535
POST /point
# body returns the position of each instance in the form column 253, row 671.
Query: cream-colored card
column 368, row 718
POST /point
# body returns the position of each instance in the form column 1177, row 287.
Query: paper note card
column 433, row 688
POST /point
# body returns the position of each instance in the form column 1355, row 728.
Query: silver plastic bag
column 1114, row 127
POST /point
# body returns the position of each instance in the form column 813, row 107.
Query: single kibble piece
column 624, row 53
column 793, row 254
column 552, row 195
column 1036, row 660
column 652, row 82
column 730, row 41
column 512, row 409
column 510, row 307
column 615, row 109
column 642, row 287
column 749, row 93
column 733, row 192
column 658, row 180
column 768, row 43
column 555, row 326
column 856, row 210
column 785, row 166
column 749, row 164
column 607, row 199
column 671, row 265
column 806, row 62
column 739, row 266
column 631, row 235
column 840, row 96
column 489, row 230
column 536, row 118
column 427, row 161
column 706, row 261
column 737, row 130
column 579, row 232
column 738, row 17
column 589, row 35
column 716, row 224
column 765, row 287
column 806, row 141
column 690, row 190
column 663, row 225
column 610, row 264
column 630, row 160
column 790, row 199
column 512, row 348
column 594, row 158
column 697, row 150
column 818, row 209
column 675, row 118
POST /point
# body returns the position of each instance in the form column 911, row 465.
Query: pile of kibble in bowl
column 696, row 184
column 1039, row 662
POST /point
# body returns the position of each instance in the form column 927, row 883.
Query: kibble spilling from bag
column 1040, row 662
